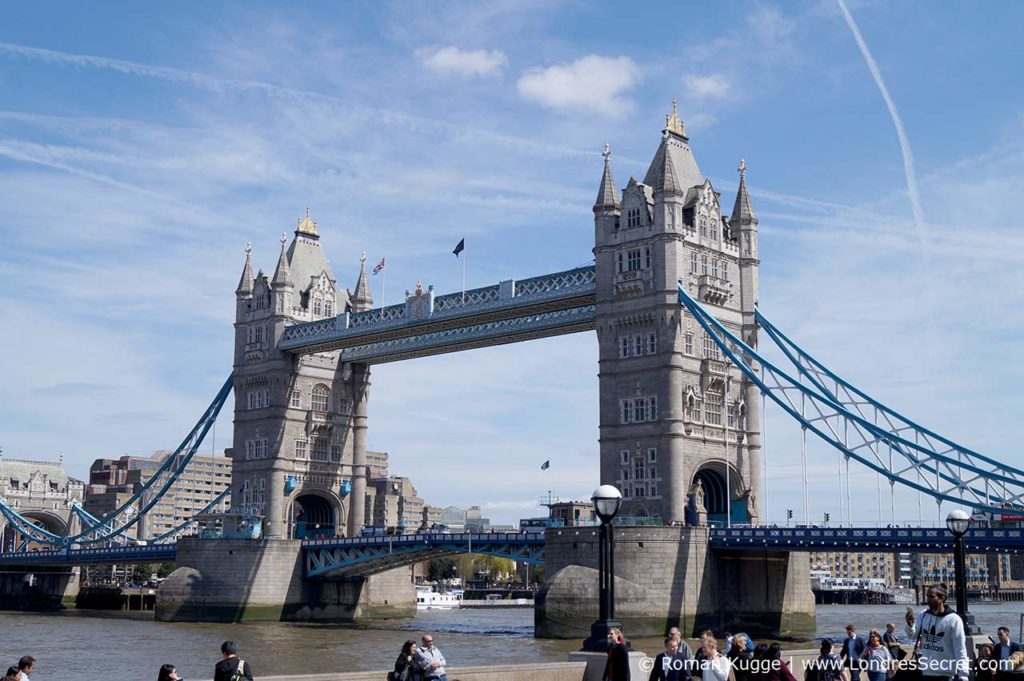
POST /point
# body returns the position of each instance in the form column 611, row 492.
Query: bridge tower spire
column 362, row 299
column 673, row 414
column 743, row 226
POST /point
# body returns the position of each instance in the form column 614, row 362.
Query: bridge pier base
column 669, row 576
column 43, row 588
column 228, row 580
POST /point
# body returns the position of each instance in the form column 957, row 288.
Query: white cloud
column 711, row 85
column 592, row 83
column 452, row 60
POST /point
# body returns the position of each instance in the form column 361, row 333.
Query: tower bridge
column 672, row 298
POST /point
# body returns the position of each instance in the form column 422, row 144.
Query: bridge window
column 703, row 226
column 328, row 308
column 652, row 343
column 620, row 262
column 301, row 449
column 317, row 307
column 639, row 409
column 695, row 409
column 703, row 264
column 633, row 259
column 296, row 399
column 653, row 489
column 638, row 344
column 688, row 343
column 624, row 347
column 731, row 416
column 633, row 217
column 255, row 449
column 320, row 449
column 321, row 398
column 714, row 267
column 652, row 454
column 625, row 456
column 711, row 350
column 713, row 409
column 647, row 258
column 694, row 259
column 335, row 453
column 725, row 269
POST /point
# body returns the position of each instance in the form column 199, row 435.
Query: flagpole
column 464, row 280
column 383, row 283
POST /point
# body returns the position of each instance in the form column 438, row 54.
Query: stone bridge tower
column 299, row 453
column 679, row 433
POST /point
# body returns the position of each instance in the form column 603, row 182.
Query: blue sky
column 142, row 147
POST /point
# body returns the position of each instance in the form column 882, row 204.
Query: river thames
column 129, row 647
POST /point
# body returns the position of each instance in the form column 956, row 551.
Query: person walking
column 1003, row 649
column 853, row 648
column 940, row 642
column 168, row 672
column 778, row 670
column 986, row 665
column 741, row 655
column 828, row 666
column 231, row 667
column 671, row 665
column 683, row 651
column 407, row 667
column 716, row 666
column 876, row 657
column 892, row 641
column 617, row 667
column 431, row 660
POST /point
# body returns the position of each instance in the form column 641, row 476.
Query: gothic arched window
column 321, row 398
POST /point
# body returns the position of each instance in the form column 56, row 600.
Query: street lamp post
column 958, row 522
column 607, row 501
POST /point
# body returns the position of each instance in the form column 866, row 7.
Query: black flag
column 461, row 246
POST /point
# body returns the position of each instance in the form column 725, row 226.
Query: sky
column 142, row 147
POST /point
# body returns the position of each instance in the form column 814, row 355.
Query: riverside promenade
column 542, row 671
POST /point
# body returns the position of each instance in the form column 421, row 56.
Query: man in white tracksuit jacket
column 940, row 642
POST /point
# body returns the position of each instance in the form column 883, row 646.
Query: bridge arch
column 316, row 514
column 48, row 520
column 712, row 478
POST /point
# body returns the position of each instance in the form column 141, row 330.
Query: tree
column 441, row 568
column 165, row 569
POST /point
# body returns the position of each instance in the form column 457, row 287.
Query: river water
column 76, row 644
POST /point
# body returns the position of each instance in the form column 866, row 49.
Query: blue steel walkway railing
column 858, row 539
column 369, row 555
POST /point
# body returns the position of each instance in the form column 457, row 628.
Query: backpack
column 239, row 674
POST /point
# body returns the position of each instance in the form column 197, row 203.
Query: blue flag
column 546, row 465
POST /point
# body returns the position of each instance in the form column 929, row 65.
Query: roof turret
column 282, row 275
column 245, row 283
column 743, row 211
column 607, row 195
column 362, row 299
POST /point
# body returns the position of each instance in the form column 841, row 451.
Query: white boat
column 428, row 599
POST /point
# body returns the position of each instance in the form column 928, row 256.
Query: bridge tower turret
column 673, row 414
column 294, row 442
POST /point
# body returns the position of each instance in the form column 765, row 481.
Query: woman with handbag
column 406, row 668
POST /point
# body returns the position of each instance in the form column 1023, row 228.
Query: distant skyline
column 142, row 147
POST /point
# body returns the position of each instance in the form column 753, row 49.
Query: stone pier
column 247, row 580
column 43, row 588
column 669, row 576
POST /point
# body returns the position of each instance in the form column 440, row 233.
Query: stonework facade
column 679, row 426
column 300, row 421
column 42, row 492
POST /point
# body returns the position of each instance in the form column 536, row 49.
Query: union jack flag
column 379, row 266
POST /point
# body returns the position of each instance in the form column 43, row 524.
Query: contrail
column 908, row 156
column 216, row 84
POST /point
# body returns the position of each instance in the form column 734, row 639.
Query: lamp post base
column 970, row 627
column 598, row 641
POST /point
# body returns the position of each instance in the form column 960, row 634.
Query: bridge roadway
column 368, row 555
